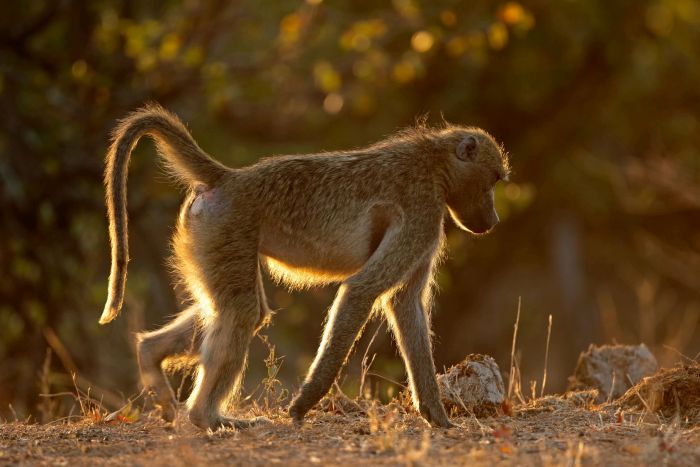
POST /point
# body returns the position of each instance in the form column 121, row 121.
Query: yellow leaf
column 326, row 77
column 126, row 414
column 422, row 41
column 498, row 36
column 169, row 47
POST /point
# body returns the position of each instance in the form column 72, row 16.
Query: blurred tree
column 597, row 102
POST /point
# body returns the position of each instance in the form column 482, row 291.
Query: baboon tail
column 185, row 159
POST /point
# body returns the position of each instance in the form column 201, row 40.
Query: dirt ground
column 548, row 431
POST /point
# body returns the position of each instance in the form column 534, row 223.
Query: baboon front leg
column 386, row 268
column 176, row 338
column 407, row 314
column 346, row 319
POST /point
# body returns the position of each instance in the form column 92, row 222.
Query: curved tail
column 187, row 161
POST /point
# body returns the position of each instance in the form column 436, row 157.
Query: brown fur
column 370, row 218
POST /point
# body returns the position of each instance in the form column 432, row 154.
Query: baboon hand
column 297, row 412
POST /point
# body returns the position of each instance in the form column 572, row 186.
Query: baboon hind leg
column 407, row 313
column 178, row 337
column 228, row 330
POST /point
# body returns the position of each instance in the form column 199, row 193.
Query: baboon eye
column 466, row 150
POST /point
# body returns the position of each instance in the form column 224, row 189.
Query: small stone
column 612, row 369
column 473, row 386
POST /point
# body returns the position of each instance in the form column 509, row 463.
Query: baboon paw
column 164, row 406
column 204, row 422
column 168, row 411
column 162, row 403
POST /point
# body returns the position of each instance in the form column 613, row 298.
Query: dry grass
column 554, row 430
column 569, row 429
column 655, row 422
column 671, row 393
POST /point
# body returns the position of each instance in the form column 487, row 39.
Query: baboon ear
column 466, row 149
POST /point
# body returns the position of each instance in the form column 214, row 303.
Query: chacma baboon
column 370, row 218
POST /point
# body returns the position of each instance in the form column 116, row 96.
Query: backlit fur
column 369, row 218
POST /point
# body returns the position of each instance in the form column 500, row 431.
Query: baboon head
column 475, row 164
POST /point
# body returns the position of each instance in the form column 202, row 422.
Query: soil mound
column 670, row 392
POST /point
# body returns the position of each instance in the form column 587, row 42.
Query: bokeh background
column 597, row 102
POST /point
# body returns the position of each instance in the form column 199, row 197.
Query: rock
column 612, row 367
column 473, row 386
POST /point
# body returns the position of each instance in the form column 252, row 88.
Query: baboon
column 370, row 219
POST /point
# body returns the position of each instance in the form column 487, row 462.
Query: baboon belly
column 325, row 250
column 317, row 255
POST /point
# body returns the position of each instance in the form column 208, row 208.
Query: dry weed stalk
column 388, row 430
column 274, row 393
column 546, row 356
column 367, row 364
column 612, row 386
column 511, row 375
column 517, row 380
column 89, row 408
column 382, row 427
column 181, row 386
column 413, row 454
column 48, row 405
column 109, row 398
